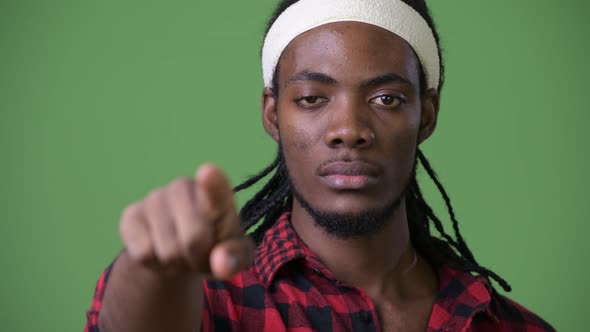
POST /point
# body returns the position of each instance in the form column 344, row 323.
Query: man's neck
column 382, row 264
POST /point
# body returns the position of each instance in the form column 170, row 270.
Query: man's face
column 349, row 117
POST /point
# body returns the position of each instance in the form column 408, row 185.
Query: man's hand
column 174, row 237
column 190, row 225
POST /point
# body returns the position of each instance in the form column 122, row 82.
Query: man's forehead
column 349, row 47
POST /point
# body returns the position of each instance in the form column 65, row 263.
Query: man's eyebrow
column 312, row 76
column 329, row 80
column 386, row 78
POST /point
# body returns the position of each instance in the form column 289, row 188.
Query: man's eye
column 310, row 101
column 389, row 101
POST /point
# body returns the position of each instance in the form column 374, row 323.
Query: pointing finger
column 214, row 193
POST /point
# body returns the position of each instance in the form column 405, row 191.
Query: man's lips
column 349, row 175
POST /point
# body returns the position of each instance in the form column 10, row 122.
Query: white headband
column 393, row 15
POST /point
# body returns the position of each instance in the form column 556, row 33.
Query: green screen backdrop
column 101, row 101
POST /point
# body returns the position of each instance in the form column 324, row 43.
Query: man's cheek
column 297, row 147
column 297, row 139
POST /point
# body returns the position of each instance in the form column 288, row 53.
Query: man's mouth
column 349, row 175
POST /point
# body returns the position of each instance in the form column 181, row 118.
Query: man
column 341, row 231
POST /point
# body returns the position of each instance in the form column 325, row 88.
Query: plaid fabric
column 288, row 288
column 92, row 314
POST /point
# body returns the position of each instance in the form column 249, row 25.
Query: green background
column 101, row 101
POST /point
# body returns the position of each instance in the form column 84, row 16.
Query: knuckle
column 180, row 184
column 125, row 227
column 131, row 212
column 130, row 219
column 153, row 196
column 131, row 240
column 141, row 253
column 180, row 191
column 155, row 204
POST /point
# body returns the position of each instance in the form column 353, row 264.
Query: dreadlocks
column 275, row 197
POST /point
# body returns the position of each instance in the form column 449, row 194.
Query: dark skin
column 349, row 141
column 351, row 92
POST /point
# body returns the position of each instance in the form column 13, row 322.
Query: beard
column 350, row 225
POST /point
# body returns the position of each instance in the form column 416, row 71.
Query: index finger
column 215, row 201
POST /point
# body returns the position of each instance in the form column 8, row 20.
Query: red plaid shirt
column 288, row 288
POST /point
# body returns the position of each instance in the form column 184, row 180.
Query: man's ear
column 269, row 113
column 430, row 107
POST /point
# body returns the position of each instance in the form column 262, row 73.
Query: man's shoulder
column 512, row 316
column 473, row 302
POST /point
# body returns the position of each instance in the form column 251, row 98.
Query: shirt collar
column 280, row 245
column 461, row 296
column 460, row 293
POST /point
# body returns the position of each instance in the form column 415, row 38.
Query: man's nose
column 349, row 126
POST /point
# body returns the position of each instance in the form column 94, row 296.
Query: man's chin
column 350, row 222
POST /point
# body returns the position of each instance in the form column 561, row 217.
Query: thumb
column 231, row 256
